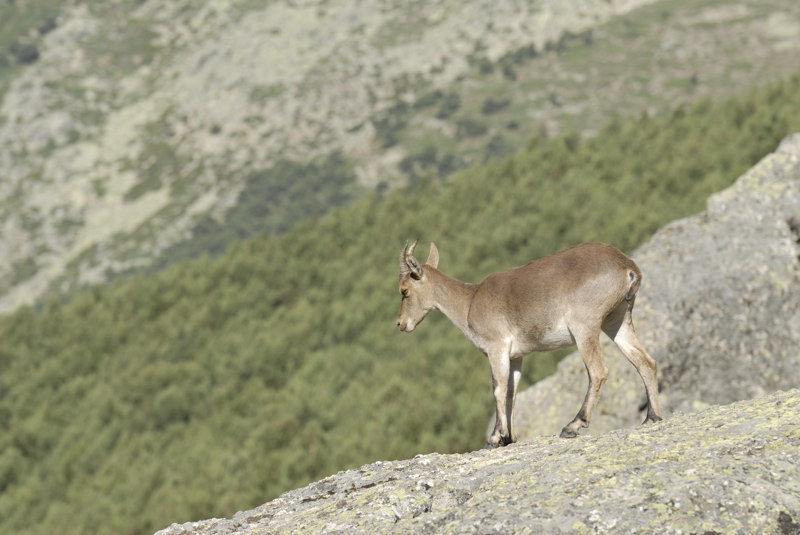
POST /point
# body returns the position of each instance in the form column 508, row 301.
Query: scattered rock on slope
column 726, row 469
column 138, row 118
column 719, row 309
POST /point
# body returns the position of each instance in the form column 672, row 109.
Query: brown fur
column 563, row 299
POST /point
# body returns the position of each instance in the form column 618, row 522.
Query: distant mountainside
column 129, row 127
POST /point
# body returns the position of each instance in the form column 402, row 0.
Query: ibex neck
column 453, row 297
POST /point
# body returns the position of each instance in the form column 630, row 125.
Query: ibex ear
column 433, row 256
column 415, row 270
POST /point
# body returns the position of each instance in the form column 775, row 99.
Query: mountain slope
column 129, row 127
column 149, row 114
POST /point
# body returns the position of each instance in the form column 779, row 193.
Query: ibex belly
column 550, row 338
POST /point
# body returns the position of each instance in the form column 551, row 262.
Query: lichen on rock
column 727, row 469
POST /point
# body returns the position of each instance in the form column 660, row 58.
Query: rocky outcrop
column 719, row 309
column 726, row 469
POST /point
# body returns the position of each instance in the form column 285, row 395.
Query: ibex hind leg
column 619, row 327
column 588, row 341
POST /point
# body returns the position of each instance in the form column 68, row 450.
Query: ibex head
column 417, row 297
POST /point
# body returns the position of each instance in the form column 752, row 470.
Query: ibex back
column 560, row 300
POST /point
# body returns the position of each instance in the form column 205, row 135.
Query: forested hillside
column 216, row 384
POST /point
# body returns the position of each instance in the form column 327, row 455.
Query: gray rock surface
column 725, row 469
column 719, row 309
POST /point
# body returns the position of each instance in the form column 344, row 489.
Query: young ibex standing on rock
column 563, row 299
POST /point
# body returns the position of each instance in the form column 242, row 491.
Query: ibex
column 560, row 300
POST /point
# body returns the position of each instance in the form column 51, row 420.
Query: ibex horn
column 403, row 266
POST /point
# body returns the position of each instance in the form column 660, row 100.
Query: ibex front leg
column 505, row 377
column 511, row 398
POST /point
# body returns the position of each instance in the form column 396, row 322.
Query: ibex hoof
column 568, row 433
column 497, row 442
column 571, row 429
column 652, row 419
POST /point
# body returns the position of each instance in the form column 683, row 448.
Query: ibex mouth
column 406, row 327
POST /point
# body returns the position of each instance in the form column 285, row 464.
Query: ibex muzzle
column 563, row 299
